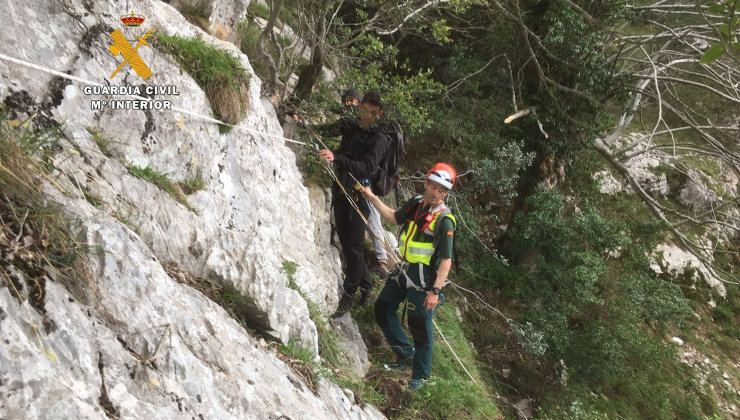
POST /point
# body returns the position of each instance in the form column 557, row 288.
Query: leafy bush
column 500, row 172
column 584, row 307
column 405, row 92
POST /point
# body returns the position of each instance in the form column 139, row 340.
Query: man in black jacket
column 359, row 154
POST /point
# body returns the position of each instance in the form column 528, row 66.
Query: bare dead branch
column 518, row 114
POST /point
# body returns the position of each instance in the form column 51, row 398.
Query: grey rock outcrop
column 643, row 163
column 697, row 191
column 675, row 261
column 695, row 194
column 223, row 16
column 253, row 213
column 608, row 184
column 353, row 349
column 252, row 216
column 140, row 345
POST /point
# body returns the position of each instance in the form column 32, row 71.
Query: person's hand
column 431, row 301
column 367, row 193
column 326, row 154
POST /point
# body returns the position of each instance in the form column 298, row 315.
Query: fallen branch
column 539, row 124
column 523, row 113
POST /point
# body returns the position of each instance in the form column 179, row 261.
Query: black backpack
column 387, row 176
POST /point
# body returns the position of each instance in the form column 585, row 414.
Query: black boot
column 345, row 304
column 364, row 298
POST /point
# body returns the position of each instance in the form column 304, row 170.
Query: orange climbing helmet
column 443, row 174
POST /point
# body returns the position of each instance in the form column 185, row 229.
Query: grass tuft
column 449, row 393
column 193, row 184
column 159, row 179
column 220, row 74
column 102, row 141
column 35, row 237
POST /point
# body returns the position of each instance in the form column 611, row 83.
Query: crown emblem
column 133, row 20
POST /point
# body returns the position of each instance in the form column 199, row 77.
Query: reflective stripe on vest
column 418, row 251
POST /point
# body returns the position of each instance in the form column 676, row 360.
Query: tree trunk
column 272, row 84
column 310, row 75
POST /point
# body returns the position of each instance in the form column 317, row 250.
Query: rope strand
column 453, row 352
column 190, row 113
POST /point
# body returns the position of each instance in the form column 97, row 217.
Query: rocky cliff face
column 253, row 215
column 693, row 193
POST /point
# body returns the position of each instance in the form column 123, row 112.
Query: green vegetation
column 159, row 179
column 586, row 319
column 450, row 392
column 193, row 184
column 249, row 33
column 34, row 234
column 102, row 141
column 328, row 338
column 296, row 350
column 221, row 76
column 258, row 9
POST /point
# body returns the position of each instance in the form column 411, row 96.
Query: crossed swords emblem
column 123, row 47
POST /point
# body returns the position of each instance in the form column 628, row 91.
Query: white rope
column 485, row 304
column 453, row 352
column 459, row 215
column 193, row 114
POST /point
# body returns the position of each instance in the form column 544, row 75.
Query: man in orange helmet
column 426, row 247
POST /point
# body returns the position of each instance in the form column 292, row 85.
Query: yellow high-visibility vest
column 418, row 247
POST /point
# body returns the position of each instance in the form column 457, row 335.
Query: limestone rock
column 676, row 261
column 695, row 194
column 219, row 17
column 252, row 215
column 642, row 166
column 523, row 409
column 202, row 361
column 354, row 351
column 607, row 183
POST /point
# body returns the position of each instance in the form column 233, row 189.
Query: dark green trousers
column 420, row 321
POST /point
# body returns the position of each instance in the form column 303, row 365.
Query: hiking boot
column 364, row 298
column 345, row 304
column 380, row 268
column 415, row 384
column 400, row 364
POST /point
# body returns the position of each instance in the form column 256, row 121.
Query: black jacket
column 361, row 151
